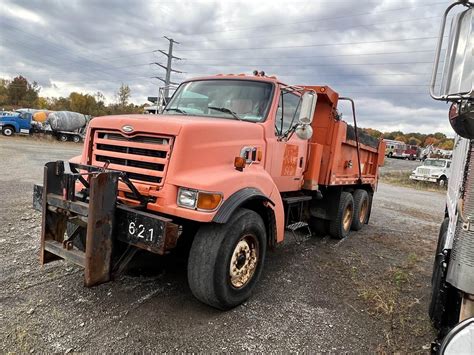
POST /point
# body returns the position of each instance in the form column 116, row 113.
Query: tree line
column 20, row 93
column 437, row 139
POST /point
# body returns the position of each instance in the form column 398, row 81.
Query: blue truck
column 22, row 122
column 16, row 122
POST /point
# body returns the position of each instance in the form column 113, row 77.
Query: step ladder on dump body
column 93, row 210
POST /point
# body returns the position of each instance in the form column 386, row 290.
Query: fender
column 237, row 200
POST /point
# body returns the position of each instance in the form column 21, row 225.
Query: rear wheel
column 76, row 139
column 62, row 138
column 340, row 226
column 361, row 209
column 8, row 131
column 226, row 260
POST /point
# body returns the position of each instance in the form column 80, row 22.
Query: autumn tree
column 22, row 93
column 123, row 95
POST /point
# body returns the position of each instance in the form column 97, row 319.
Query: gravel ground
column 368, row 292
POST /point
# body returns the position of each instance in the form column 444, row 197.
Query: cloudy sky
column 378, row 52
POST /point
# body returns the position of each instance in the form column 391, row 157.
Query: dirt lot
column 368, row 292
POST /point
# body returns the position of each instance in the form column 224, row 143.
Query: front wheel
column 226, row 260
column 442, row 181
column 8, row 131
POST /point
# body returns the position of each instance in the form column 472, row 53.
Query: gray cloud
column 350, row 45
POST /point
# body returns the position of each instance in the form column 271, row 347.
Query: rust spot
column 290, row 160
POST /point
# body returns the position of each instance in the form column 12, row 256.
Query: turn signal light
column 240, row 163
column 208, row 201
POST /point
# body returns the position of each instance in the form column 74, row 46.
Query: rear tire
column 62, row 138
column 76, row 139
column 340, row 227
column 361, row 209
column 226, row 260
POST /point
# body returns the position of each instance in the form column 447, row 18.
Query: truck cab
column 232, row 163
column 19, row 122
column 433, row 170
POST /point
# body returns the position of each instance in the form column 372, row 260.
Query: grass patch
column 402, row 178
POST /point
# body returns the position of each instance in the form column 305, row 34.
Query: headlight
column 187, row 198
column 200, row 200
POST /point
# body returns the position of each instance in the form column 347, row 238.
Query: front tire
column 226, row 260
column 445, row 300
column 442, row 181
column 340, row 226
column 8, row 131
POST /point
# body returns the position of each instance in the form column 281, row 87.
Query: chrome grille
column 143, row 157
column 461, row 266
column 423, row 171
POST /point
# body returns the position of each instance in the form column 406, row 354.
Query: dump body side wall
column 333, row 157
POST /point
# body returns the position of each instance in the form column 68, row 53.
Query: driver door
column 288, row 157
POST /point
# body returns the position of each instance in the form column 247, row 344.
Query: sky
column 379, row 53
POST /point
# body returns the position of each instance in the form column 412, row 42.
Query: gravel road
column 368, row 292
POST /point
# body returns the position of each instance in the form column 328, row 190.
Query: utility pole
column 168, row 68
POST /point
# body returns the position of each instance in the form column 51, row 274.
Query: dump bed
column 333, row 155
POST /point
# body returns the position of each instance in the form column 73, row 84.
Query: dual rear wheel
column 352, row 213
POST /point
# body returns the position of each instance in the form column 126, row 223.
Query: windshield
column 246, row 100
column 432, row 162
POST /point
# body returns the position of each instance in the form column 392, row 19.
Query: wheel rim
column 244, row 261
column 363, row 211
column 63, row 138
column 8, row 132
column 347, row 219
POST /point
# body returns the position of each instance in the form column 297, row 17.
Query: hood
column 164, row 124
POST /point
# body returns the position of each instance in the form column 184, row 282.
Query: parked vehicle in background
column 406, row 151
column 232, row 163
column 433, row 170
column 390, row 146
column 16, row 122
column 63, row 125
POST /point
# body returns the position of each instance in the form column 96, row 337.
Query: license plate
column 145, row 230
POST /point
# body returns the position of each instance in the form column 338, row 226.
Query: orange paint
column 290, row 160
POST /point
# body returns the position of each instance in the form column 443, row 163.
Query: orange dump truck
column 232, row 163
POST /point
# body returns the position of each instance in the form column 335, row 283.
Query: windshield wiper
column 177, row 110
column 225, row 110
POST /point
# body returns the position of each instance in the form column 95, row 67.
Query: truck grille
column 423, row 171
column 143, row 157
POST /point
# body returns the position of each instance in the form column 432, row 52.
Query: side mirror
column 458, row 72
column 304, row 131
column 308, row 105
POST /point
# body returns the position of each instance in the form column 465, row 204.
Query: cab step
column 294, row 207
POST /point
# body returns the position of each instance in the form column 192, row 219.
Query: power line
column 305, row 65
column 278, row 35
column 309, row 45
column 320, row 19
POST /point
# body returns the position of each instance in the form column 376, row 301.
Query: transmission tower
column 168, row 68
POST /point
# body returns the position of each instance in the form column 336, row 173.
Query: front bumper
column 423, row 178
column 98, row 215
